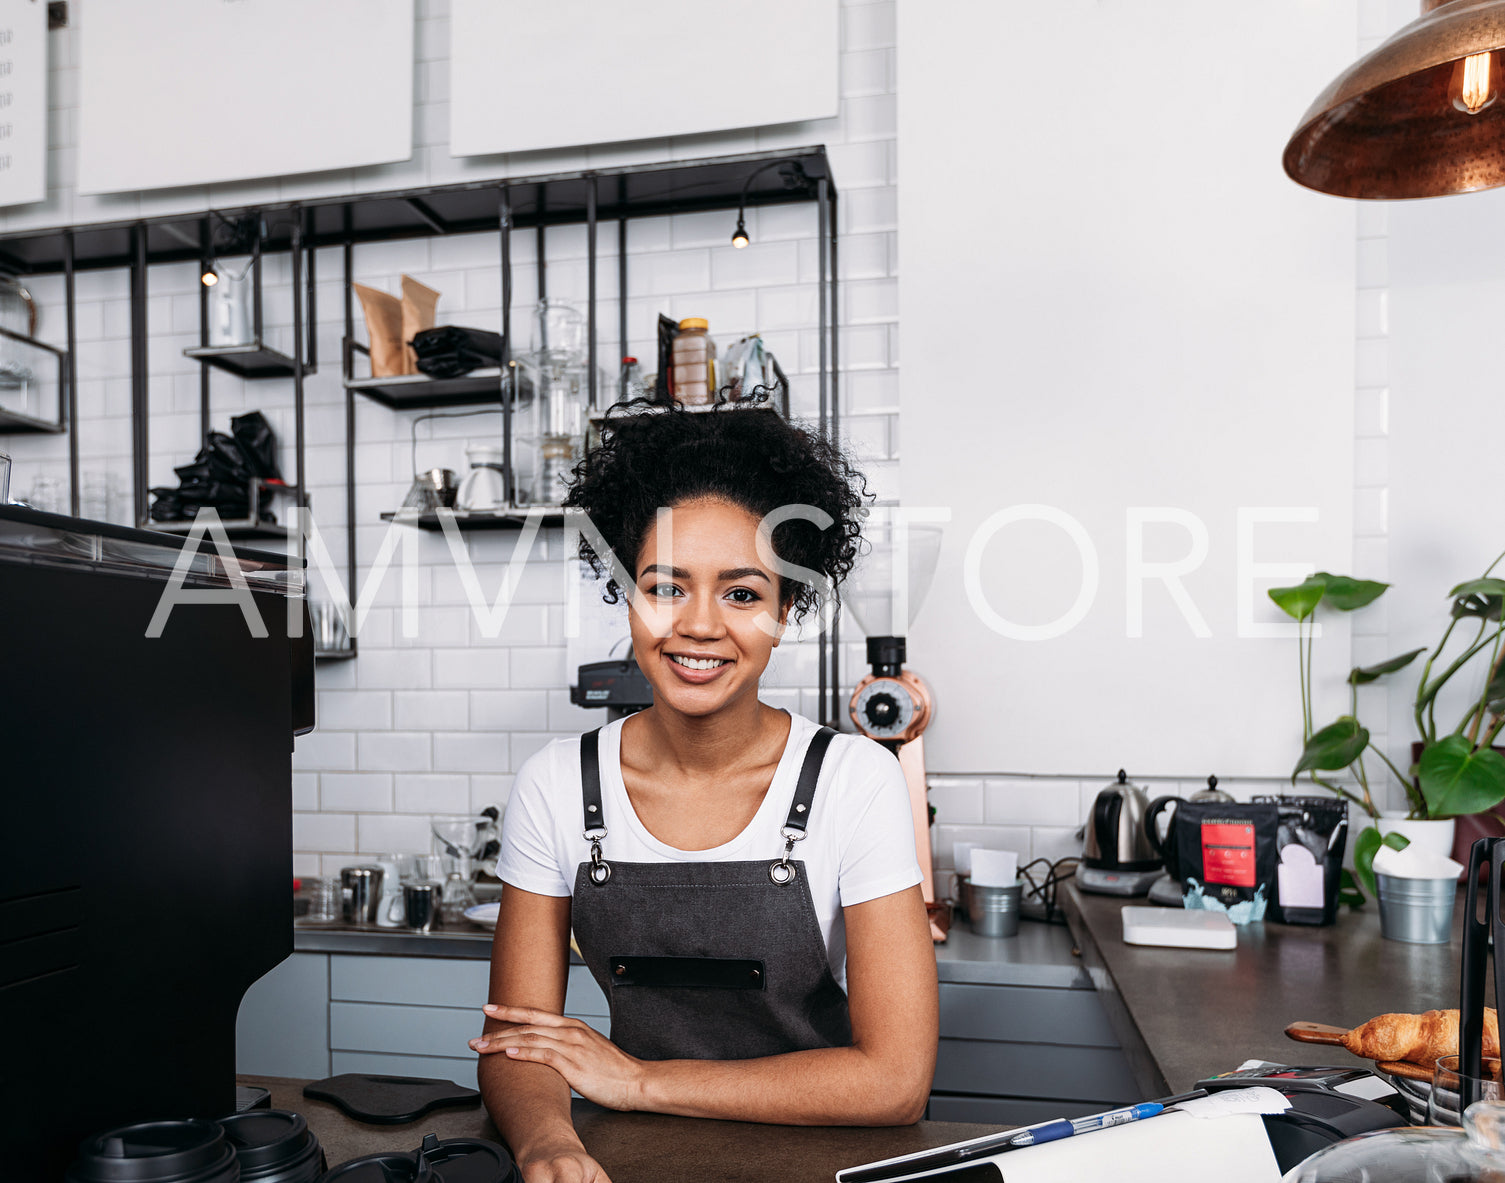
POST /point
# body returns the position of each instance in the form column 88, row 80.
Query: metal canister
column 421, row 904
column 360, row 893
column 995, row 910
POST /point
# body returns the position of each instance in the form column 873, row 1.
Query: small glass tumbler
column 46, row 494
column 1445, row 1103
column 324, row 900
column 4, row 479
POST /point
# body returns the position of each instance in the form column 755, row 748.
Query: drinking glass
column 324, row 900
column 1443, row 1107
column 46, row 494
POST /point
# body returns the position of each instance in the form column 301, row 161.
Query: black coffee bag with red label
column 1225, row 856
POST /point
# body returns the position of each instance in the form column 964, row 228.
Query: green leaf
column 1479, row 587
column 1362, row 674
column 1457, row 779
column 1349, row 895
column 1300, row 601
column 1483, row 607
column 1347, row 594
column 1336, row 746
column 1365, row 847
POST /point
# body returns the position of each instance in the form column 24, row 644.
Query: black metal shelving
column 473, row 519
column 14, row 423
column 503, row 207
column 245, row 361
column 17, row 423
column 417, row 392
column 247, row 528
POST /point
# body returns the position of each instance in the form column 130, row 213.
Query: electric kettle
column 1117, row 858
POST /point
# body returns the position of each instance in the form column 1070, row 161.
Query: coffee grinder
column 892, row 704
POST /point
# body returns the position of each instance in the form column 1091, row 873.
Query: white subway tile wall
column 437, row 722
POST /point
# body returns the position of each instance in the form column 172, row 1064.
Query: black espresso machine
column 147, row 790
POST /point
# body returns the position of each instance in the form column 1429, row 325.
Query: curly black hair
column 652, row 455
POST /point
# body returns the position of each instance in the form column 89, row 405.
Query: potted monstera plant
column 1455, row 773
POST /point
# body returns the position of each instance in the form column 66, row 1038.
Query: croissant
column 1417, row 1039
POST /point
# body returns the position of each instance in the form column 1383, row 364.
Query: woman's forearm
column 529, row 1103
column 828, row 1086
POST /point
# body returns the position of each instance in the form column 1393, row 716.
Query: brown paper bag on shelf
column 418, row 303
column 384, row 329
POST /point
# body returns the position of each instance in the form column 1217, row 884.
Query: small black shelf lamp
column 794, row 178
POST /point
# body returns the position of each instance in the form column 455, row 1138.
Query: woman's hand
column 562, row 1162
column 589, row 1062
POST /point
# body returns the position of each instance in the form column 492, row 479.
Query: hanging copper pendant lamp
column 1416, row 117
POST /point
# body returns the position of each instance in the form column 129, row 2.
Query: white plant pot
column 1426, row 834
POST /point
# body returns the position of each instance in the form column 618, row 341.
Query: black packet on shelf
column 1224, row 855
column 257, row 443
column 1311, row 835
column 452, row 350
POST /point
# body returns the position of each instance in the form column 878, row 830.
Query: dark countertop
column 1185, row 1014
column 643, row 1147
column 1041, row 955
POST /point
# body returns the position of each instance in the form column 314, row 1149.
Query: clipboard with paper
column 1223, row 1129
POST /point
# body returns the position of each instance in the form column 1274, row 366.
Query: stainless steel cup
column 329, row 630
column 995, row 910
column 360, row 893
column 1417, row 911
column 421, row 902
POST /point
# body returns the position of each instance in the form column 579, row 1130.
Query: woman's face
column 707, row 614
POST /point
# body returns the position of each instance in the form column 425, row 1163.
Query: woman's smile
column 711, row 612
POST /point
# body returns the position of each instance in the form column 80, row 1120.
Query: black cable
column 413, row 430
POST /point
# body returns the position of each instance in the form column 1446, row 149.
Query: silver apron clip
column 782, row 871
column 600, row 870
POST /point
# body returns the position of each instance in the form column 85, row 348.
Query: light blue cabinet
column 321, row 1014
column 283, row 1027
column 1009, row 1054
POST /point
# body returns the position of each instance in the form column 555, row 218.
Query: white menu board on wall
column 195, row 92
column 526, row 75
column 23, row 101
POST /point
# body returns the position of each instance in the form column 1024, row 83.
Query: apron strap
column 590, row 792
column 781, row 870
column 804, row 790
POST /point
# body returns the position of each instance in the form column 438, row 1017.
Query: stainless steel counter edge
column 1041, row 955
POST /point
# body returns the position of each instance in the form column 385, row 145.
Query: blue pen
column 1053, row 1131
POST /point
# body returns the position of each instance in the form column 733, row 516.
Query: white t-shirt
column 859, row 843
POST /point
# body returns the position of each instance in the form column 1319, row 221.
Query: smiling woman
column 744, row 982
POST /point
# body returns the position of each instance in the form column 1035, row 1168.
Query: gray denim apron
column 708, row 961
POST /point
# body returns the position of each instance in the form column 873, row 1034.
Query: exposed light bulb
column 209, row 277
column 739, row 236
column 1475, row 83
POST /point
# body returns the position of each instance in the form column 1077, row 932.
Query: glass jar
column 558, row 334
column 694, row 360
column 18, row 315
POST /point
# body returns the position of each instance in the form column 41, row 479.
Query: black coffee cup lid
column 468, row 1160
column 390, row 1167
column 270, row 1143
column 192, row 1151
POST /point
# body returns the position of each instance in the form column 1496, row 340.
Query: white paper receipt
column 1228, row 1101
